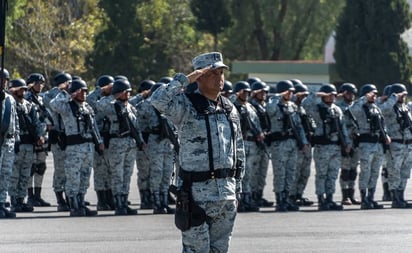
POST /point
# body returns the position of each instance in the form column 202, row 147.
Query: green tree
column 211, row 16
column 369, row 48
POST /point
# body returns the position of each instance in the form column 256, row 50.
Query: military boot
column 291, row 205
column 145, row 202
column 101, row 201
column 75, row 210
column 62, row 205
column 83, row 206
column 23, row 207
column 332, row 204
column 345, row 197
column 386, row 193
column 4, row 213
column 165, row 203
column 120, row 207
column 264, row 202
column 402, row 199
column 110, row 199
column 129, row 210
column 351, row 195
column 248, row 203
column 37, row 196
column 170, row 198
column 365, row 200
column 302, row 201
column 158, row 208
column 396, row 202
column 281, row 205
column 371, row 199
column 240, row 204
column 322, row 204
column 30, row 197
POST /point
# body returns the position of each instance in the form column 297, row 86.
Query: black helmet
column 300, row 87
column 387, row 90
column 77, row 84
column 227, row 86
column 145, row 85
column 121, row 85
column 120, row 77
column 366, row 88
column 62, row 78
column 284, row 85
column 241, row 85
column 165, row 79
column 35, row 78
column 348, row 87
column 272, row 89
column 5, row 74
column 191, row 87
column 328, row 88
column 253, row 79
column 296, row 81
column 18, row 83
column 398, row 88
column 259, row 85
column 104, row 80
column 157, row 86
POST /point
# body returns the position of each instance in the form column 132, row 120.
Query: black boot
column 101, row 201
column 402, row 199
column 110, row 199
column 120, row 207
column 332, row 204
column 302, row 201
column 291, row 205
column 280, row 203
column 396, row 202
column 164, row 198
column 386, row 193
column 39, row 200
column 145, row 202
column 75, row 210
column 83, row 206
column 345, row 197
column 240, row 204
column 322, row 204
column 158, row 208
column 4, row 213
column 170, row 198
column 129, row 210
column 351, row 195
column 30, row 197
column 371, row 199
column 365, row 200
column 248, row 203
column 24, row 208
column 62, row 206
column 264, row 202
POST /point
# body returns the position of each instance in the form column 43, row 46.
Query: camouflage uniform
column 59, row 155
column 78, row 119
column 160, row 154
column 350, row 163
column 399, row 160
column 217, row 197
column 371, row 128
column 19, row 181
column 7, row 114
column 121, row 152
column 285, row 141
column 327, row 151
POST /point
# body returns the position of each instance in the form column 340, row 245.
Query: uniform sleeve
column 36, row 122
column 240, row 156
column 60, row 103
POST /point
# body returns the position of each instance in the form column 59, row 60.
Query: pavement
column 350, row 230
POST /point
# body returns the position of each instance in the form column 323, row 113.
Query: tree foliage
column 369, row 48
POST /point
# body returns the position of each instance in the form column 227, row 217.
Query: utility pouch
column 62, row 140
column 188, row 213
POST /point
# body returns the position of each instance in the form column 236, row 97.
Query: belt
column 201, row 176
column 76, row 139
column 403, row 141
column 26, row 139
column 321, row 140
column 278, row 136
column 368, row 138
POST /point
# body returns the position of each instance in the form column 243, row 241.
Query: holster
column 188, row 213
column 62, row 140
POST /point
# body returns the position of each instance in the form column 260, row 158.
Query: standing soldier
column 286, row 138
column 227, row 90
column 211, row 152
column 57, row 139
column 9, row 132
column 122, row 145
column 399, row 160
column 159, row 151
column 304, row 160
column 35, row 83
column 253, row 137
column 349, row 166
column 102, row 182
column 258, row 101
column 330, row 140
column 31, row 133
column 81, row 132
column 372, row 135
column 142, row 160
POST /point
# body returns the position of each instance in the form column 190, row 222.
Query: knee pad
column 345, row 175
column 40, row 168
column 352, row 174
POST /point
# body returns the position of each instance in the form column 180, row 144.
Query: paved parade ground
column 351, row 230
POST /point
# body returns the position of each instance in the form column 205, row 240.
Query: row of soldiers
column 102, row 131
column 294, row 125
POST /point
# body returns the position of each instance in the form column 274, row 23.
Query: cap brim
column 218, row 65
